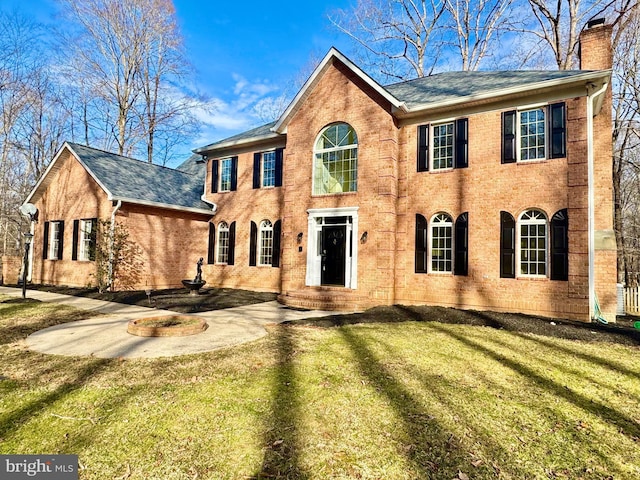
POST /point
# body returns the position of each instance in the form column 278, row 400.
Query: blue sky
column 242, row 52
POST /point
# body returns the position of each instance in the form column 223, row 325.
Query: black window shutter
column 256, row 169
column 45, row 241
column 461, row 262
column 253, row 243
column 232, row 243
column 211, row 252
column 74, row 247
column 94, row 237
column 234, row 173
column 507, row 245
column 560, row 246
column 278, row 172
column 277, row 230
column 462, row 143
column 423, row 148
column 557, row 130
column 421, row 244
column 214, row 175
column 509, row 137
column 61, row 241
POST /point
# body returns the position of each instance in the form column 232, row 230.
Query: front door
column 333, row 255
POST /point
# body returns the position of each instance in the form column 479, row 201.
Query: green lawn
column 388, row 401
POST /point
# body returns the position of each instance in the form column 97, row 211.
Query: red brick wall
column 170, row 241
column 243, row 206
column 72, row 194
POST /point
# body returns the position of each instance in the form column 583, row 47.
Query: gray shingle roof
column 127, row 178
column 451, row 86
column 261, row 131
column 440, row 88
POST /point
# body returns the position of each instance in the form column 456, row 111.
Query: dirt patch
column 176, row 299
column 622, row 332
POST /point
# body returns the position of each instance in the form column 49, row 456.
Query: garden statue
column 197, row 283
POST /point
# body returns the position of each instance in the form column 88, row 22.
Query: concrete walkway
column 106, row 336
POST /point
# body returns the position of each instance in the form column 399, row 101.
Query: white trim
column 547, row 235
column 329, row 58
column 313, row 277
column 451, row 223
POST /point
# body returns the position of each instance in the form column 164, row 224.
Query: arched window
column 335, row 165
column 532, row 228
column 223, row 243
column 266, row 243
column 441, row 243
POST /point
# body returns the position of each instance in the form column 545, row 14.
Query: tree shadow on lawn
column 626, row 425
column 434, row 451
column 281, row 442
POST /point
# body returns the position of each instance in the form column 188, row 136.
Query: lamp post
column 27, row 243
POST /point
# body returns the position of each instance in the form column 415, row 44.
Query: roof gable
column 332, row 56
column 134, row 181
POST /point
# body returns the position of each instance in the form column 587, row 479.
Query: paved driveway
column 106, row 336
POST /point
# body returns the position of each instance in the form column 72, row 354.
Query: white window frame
column 265, row 244
column 437, row 221
column 54, row 240
column 222, row 244
column 543, row 220
column 323, row 183
column 519, row 135
column 263, row 176
column 432, row 145
column 85, row 240
column 225, row 183
column 314, row 231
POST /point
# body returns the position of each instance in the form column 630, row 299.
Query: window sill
column 321, row 195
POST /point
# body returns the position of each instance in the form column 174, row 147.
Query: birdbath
column 197, row 283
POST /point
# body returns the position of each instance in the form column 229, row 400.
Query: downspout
column 32, row 230
column 591, row 98
column 112, row 239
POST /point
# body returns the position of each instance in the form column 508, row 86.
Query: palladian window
column 335, row 168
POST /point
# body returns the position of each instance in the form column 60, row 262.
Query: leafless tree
column 474, row 24
column 626, row 139
column 398, row 38
column 558, row 23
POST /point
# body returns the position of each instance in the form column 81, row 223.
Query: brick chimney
column 595, row 46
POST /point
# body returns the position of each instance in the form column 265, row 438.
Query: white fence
column 632, row 300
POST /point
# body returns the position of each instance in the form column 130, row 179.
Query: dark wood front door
column 333, row 254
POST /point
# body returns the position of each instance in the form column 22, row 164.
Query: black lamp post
column 27, row 244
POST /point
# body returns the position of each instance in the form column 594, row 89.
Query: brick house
column 480, row 190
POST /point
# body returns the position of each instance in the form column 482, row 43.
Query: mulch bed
column 178, row 300
column 175, row 299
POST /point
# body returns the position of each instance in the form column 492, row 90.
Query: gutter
column 592, row 96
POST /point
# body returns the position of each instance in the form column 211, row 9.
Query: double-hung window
column 84, row 239
column 267, row 168
column 266, row 243
column 443, row 146
column 536, row 133
column 224, row 175
column 533, row 243
column 223, row 243
column 442, row 247
column 53, row 240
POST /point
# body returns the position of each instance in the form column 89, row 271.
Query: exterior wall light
column 299, row 237
column 363, row 238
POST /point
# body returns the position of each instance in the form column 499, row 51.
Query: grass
column 393, row 401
